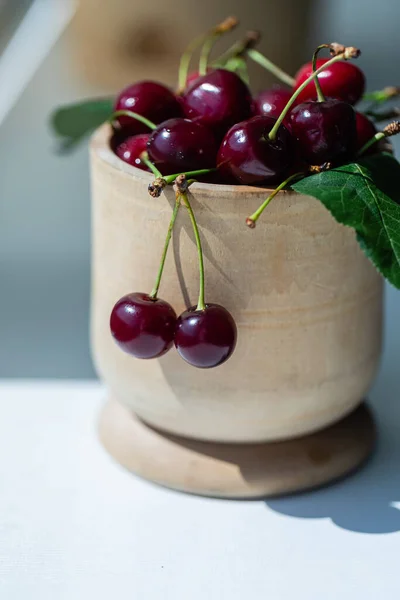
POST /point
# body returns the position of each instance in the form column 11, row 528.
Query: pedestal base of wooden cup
column 237, row 470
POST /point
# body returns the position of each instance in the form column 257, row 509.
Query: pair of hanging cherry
column 146, row 326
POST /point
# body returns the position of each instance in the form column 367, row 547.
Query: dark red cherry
column 205, row 338
column 342, row 80
column 149, row 99
column 143, row 326
column 272, row 101
column 193, row 76
column 365, row 131
column 218, row 100
column 325, row 131
column 130, row 149
column 180, row 145
column 249, row 156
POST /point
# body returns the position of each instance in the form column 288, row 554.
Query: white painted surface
column 76, row 526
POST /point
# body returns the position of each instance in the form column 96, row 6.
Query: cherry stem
column 380, row 96
column 320, row 95
column 144, row 157
column 185, row 61
column 252, row 220
column 391, row 129
column 238, row 65
column 376, row 138
column 271, row 67
column 206, row 51
column 194, row 44
column 227, row 25
column 132, row 115
column 238, row 49
column 200, row 304
column 171, row 178
column 166, row 245
column 274, row 130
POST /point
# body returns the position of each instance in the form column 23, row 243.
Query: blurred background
column 57, row 51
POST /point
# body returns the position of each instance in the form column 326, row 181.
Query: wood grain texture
column 308, row 305
column 237, row 470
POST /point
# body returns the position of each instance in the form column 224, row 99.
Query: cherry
column 325, row 131
column 149, row 99
column 342, row 80
column 205, row 338
column 193, row 76
column 249, row 156
column 272, row 101
column 143, row 326
column 365, row 131
column 180, row 145
column 130, row 149
column 218, row 99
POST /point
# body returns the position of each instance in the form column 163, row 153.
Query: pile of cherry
column 216, row 123
column 215, row 130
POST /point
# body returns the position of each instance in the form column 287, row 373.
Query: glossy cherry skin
column 218, row 100
column 365, row 131
column 149, row 99
column 205, row 338
column 142, row 326
column 325, row 131
column 342, row 80
column 248, row 156
column 180, row 145
column 272, row 101
column 193, row 76
column 130, row 149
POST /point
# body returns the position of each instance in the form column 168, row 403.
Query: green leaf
column 366, row 196
column 73, row 122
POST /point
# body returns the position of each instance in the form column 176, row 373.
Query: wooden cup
column 307, row 302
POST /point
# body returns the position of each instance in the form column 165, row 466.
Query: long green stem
column 278, row 123
column 144, row 157
column 166, row 245
column 388, row 131
column 205, row 53
column 271, row 67
column 132, row 115
column 200, row 304
column 207, row 40
column 380, row 96
column 171, row 178
column 185, row 61
column 251, row 221
column 238, row 49
column 376, row 138
column 227, row 25
column 238, row 65
column 320, row 95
